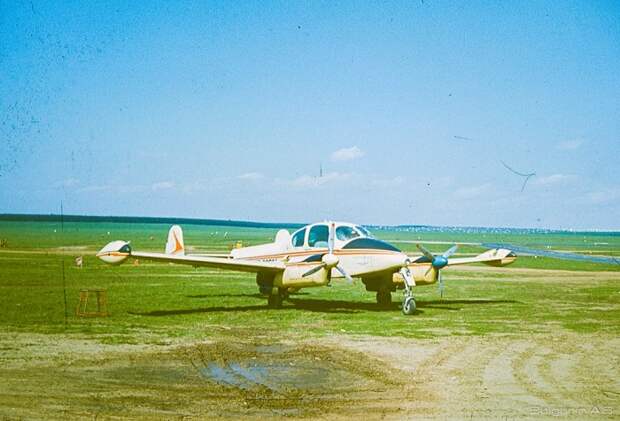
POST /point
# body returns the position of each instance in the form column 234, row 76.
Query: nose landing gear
column 408, row 300
column 408, row 305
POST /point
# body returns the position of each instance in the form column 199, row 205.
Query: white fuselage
column 357, row 251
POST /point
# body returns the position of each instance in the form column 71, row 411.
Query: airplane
column 315, row 255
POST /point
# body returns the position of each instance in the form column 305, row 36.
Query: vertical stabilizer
column 175, row 241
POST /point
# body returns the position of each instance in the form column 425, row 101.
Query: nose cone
column 115, row 252
column 439, row 262
column 329, row 260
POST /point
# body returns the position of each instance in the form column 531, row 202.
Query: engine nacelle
column 293, row 277
column 421, row 275
column 504, row 257
column 115, row 253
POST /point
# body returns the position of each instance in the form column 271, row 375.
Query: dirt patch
column 567, row 376
column 558, row 376
column 216, row 380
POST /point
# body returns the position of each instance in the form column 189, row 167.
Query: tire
column 384, row 298
column 409, row 306
column 274, row 301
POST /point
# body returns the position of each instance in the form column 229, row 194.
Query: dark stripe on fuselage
column 310, row 253
column 369, row 243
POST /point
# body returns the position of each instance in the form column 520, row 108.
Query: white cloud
column 68, row 182
column 472, row 191
column 569, row 145
column 604, row 196
column 129, row 188
column 308, row 181
column 441, row 182
column 388, row 182
column 251, row 176
column 347, row 154
column 552, row 179
column 193, row 187
column 123, row 189
column 162, row 185
column 91, row 189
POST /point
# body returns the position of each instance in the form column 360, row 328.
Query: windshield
column 317, row 237
column 364, row 231
column 344, row 233
column 298, row 238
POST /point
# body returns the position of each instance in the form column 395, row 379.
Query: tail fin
column 175, row 241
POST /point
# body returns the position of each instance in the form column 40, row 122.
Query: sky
column 371, row 112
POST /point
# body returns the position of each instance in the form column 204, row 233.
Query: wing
column 222, row 255
column 213, row 262
column 117, row 252
column 556, row 254
column 494, row 257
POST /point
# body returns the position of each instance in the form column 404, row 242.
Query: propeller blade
column 450, row 251
column 330, row 238
column 345, row 274
column 313, row 270
column 425, row 252
column 428, row 271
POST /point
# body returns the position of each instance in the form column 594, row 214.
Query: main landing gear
column 275, row 300
column 384, row 298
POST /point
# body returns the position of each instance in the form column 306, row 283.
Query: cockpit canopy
column 317, row 235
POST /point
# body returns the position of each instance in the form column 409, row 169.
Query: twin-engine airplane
column 315, row 255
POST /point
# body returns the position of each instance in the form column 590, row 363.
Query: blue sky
column 224, row 110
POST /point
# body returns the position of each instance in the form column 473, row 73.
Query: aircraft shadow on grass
column 325, row 306
column 255, row 295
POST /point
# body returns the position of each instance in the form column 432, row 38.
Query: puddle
column 281, row 368
column 277, row 377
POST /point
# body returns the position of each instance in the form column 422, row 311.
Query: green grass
column 152, row 302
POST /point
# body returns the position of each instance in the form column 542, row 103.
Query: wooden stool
column 102, row 303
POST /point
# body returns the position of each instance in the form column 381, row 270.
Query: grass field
column 539, row 338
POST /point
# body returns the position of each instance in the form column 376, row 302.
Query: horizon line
column 53, row 217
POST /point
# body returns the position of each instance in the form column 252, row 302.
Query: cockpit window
column 298, row 238
column 345, row 233
column 364, row 231
column 318, row 235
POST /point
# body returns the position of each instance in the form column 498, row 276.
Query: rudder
column 175, row 245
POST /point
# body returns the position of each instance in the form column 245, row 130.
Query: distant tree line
column 145, row 220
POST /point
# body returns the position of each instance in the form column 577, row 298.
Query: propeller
column 329, row 260
column 438, row 262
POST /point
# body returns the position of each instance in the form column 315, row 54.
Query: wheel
column 384, row 298
column 274, row 301
column 408, row 306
